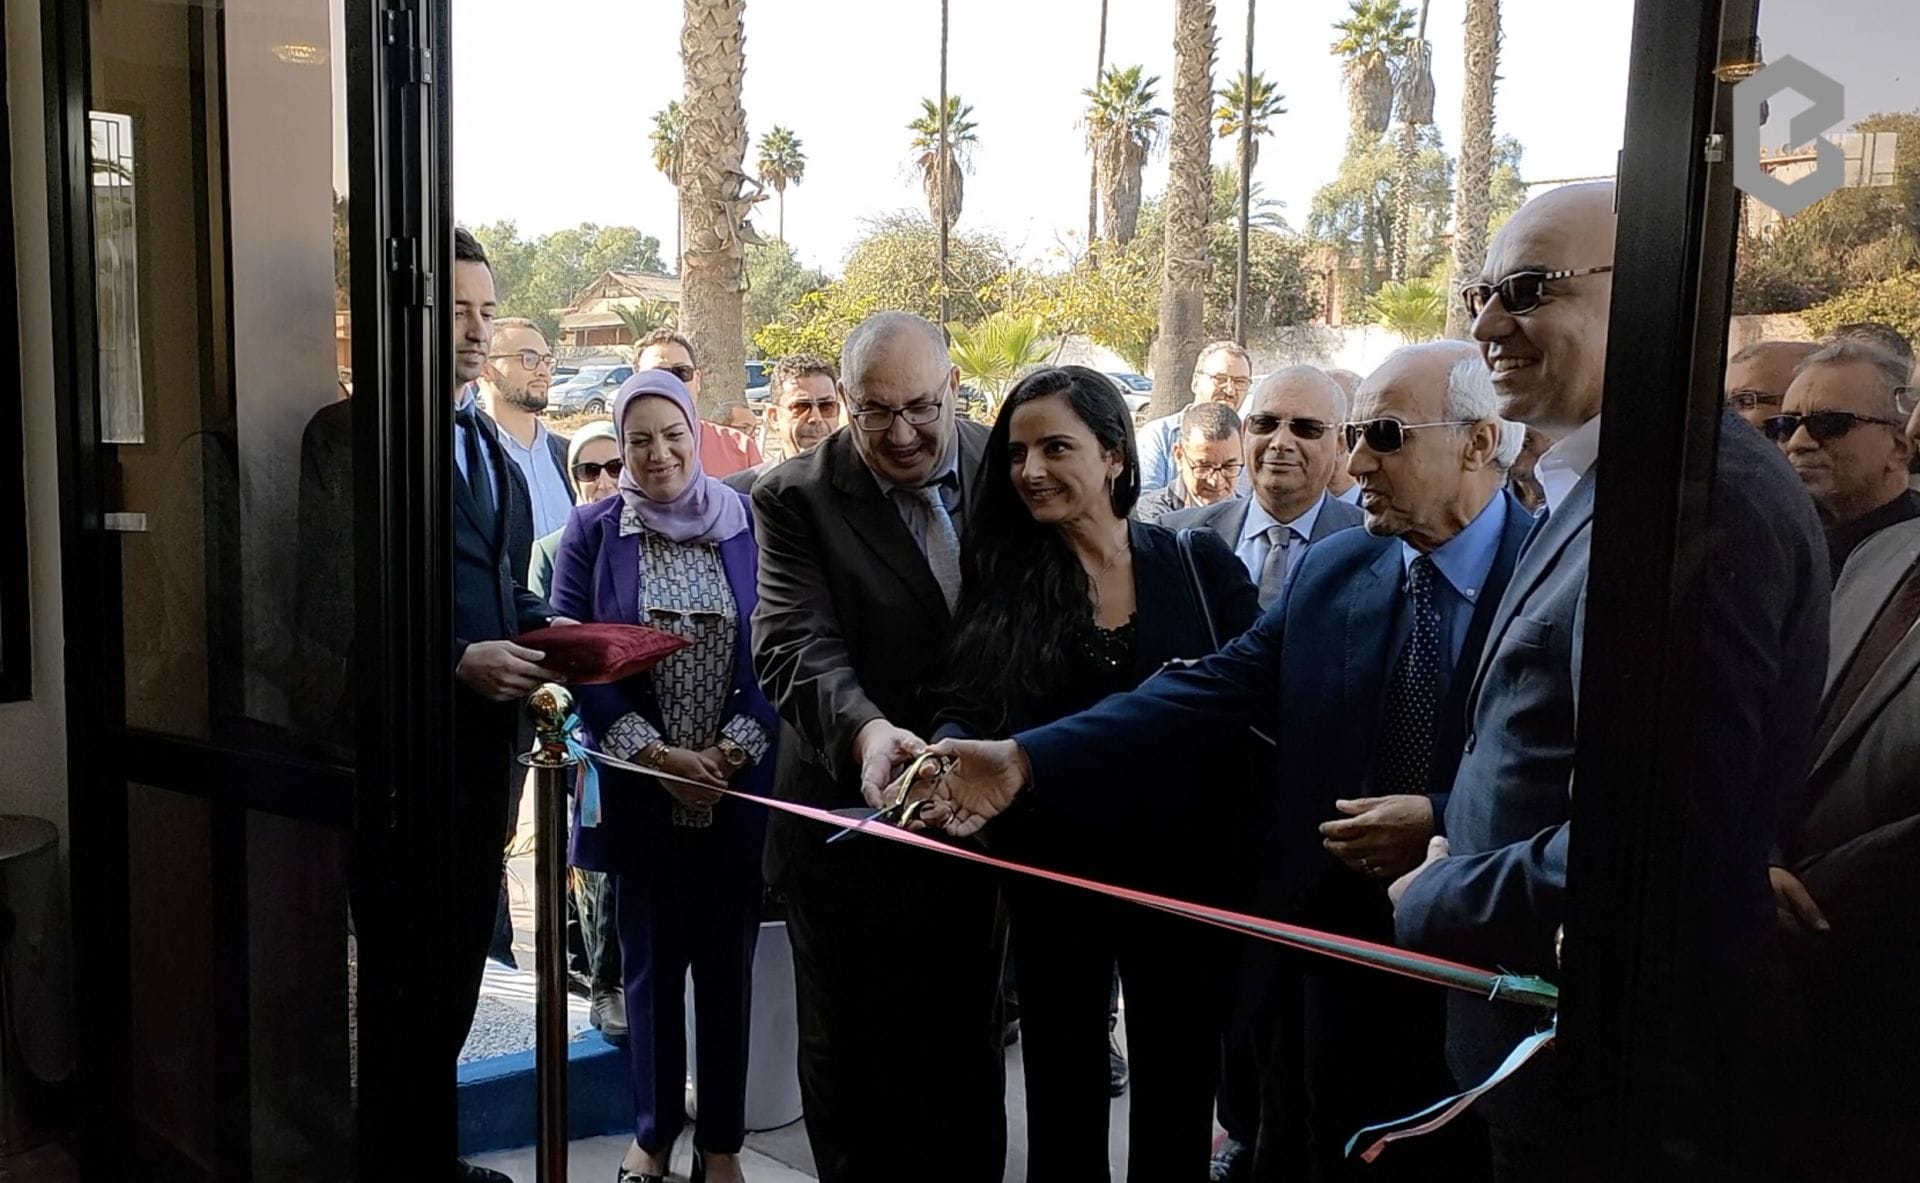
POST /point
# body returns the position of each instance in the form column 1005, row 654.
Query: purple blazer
column 596, row 578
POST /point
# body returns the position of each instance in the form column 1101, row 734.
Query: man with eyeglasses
column 897, row 956
column 1291, row 445
column 804, row 410
column 1758, row 377
column 513, row 391
column 1222, row 375
column 1843, row 426
column 1209, row 459
column 723, row 450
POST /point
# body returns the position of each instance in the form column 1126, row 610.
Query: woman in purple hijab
column 676, row 551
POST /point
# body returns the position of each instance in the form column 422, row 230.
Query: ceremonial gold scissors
column 904, row 810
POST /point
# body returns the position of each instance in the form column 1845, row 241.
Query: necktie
column 1889, row 628
column 1406, row 755
column 942, row 543
column 468, row 420
column 1273, row 572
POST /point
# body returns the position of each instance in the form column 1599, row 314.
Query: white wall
column 33, row 765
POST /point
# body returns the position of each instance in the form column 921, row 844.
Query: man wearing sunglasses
column 723, row 450
column 804, row 410
column 513, row 392
column 1844, row 429
column 1758, row 377
column 1291, row 443
column 1223, row 374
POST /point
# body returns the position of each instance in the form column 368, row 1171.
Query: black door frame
column 390, row 805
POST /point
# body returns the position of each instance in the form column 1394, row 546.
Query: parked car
column 591, row 390
column 758, row 375
column 1130, row 382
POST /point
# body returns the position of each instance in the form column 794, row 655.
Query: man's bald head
column 893, row 366
column 888, row 334
column 1292, row 430
column 1758, row 377
column 1426, row 485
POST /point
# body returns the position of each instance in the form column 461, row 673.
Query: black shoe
column 1232, row 1163
column 1116, row 1068
column 466, row 1172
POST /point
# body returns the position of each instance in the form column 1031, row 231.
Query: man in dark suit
column 1291, row 447
column 1492, row 891
column 896, row 956
column 1359, row 675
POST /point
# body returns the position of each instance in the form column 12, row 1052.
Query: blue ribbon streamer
column 589, row 772
column 1441, row 1112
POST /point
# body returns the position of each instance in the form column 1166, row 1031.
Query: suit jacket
column 491, row 550
column 1190, row 847
column 596, row 578
column 1227, row 518
column 742, row 481
column 849, row 617
column 1500, row 897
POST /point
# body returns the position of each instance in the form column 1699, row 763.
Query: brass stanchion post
column 550, row 707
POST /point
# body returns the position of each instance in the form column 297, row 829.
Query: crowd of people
column 1309, row 647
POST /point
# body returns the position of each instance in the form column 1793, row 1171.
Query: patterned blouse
column 684, row 590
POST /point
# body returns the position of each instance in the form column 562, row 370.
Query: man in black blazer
column 896, row 956
column 1290, row 437
column 1492, row 891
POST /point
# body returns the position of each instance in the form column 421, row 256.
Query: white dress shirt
column 1561, row 466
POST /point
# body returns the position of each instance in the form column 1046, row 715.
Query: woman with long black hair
column 1064, row 601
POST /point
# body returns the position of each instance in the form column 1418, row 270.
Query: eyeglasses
column 1521, row 292
column 1228, row 382
column 1387, row 436
column 587, row 472
column 1823, row 426
column 684, row 373
column 1746, row 400
column 530, row 358
column 826, row 408
column 879, row 419
column 1306, row 429
column 1206, row 472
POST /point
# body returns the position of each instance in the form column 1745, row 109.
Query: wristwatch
column 653, row 755
column 736, row 756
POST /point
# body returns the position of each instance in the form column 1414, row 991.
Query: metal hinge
column 412, row 279
column 409, row 59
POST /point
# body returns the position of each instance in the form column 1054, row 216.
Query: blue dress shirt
column 1464, row 563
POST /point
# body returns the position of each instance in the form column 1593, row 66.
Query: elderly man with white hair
column 1360, row 674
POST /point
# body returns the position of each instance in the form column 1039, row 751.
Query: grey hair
column 1211, row 421
column 1232, row 347
column 1895, row 373
column 877, row 330
column 1513, row 438
column 1471, row 399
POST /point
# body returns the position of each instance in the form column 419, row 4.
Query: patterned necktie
column 1273, row 572
column 942, row 543
column 1406, row 756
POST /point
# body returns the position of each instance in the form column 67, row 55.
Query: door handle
column 124, row 523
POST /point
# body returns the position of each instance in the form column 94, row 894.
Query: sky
column 552, row 103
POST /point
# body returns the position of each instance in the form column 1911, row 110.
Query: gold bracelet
column 653, row 755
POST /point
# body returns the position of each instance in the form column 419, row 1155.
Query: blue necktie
column 1413, row 697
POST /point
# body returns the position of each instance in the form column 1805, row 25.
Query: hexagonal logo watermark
column 1829, row 108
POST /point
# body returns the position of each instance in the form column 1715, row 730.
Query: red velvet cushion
column 591, row 654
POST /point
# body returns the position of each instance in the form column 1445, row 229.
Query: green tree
column 539, row 278
column 1355, row 211
column 1374, row 36
column 962, row 134
column 1414, row 309
column 643, row 318
column 1893, row 301
column 669, row 140
column 1279, row 285
column 1268, row 105
column 994, row 353
column 775, row 283
column 782, row 163
column 1123, row 130
column 1108, row 298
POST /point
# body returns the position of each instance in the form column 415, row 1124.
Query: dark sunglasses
column 1306, row 429
column 1822, row 426
column 1387, row 436
column 1521, row 292
column 587, row 472
column 684, row 373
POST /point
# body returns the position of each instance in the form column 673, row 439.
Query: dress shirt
column 552, row 501
column 913, row 512
column 1155, row 442
column 465, row 403
column 1253, row 546
column 1842, row 539
column 1351, row 496
column 1464, row 563
column 1561, row 466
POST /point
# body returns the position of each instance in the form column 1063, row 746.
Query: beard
column 526, row 398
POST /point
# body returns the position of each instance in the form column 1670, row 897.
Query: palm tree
column 994, row 353
column 644, row 317
column 782, row 163
column 717, row 192
column 1372, row 38
column 962, row 134
column 669, row 136
column 1473, row 204
column 1183, row 278
column 1414, row 310
column 1267, row 104
column 1093, row 180
column 1413, row 98
column 1123, row 129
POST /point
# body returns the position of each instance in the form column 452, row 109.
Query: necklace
column 1125, row 548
